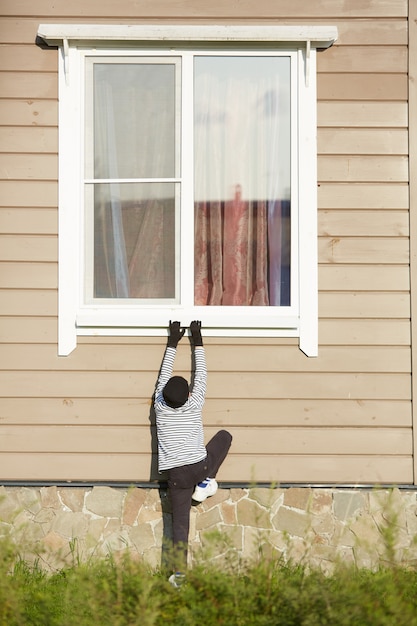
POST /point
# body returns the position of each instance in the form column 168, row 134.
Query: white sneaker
column 205, row 489
column 177, row 579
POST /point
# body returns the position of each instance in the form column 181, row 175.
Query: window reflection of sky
column 242, row 126
column 241, row 123
column 135, row 117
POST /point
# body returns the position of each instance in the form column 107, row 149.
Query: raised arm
column 200, row 377
column 175, row 335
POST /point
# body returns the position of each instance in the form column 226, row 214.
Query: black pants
column 181, row 483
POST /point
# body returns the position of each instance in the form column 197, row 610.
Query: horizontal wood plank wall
column 344, row 417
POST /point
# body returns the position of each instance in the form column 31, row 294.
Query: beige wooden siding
column 344, row 417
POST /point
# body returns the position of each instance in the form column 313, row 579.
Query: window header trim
column 62, row 34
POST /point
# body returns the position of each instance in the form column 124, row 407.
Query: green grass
column 123, row 592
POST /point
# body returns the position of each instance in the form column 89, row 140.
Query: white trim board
column 56, row 34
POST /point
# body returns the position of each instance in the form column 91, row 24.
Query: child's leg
column 181, row 505
column 217, row 449
column 181, row 497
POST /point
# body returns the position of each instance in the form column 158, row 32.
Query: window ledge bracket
column 65, row 51
column 308, row 51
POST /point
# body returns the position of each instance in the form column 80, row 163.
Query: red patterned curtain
column 241, row 253
column 231, row 253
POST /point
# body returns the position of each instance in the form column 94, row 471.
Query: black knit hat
column 176, row 392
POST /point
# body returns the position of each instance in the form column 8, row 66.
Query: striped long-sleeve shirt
column 180, row 431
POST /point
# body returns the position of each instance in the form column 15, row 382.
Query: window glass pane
column 242, row 143
column 134, row 240
column 134, row 120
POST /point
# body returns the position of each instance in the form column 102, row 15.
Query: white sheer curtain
column 242, row 178
column 134, row 138
column 107, row 167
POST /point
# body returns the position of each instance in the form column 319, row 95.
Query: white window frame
column 131, row 319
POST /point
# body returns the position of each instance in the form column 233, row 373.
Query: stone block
column 343, row 535
column 298, row 498
column 411, row 520
column 153, row 499
column 322, row 552
column 116, row 542
column 70, row 525
column 389, row 522
column 54, row 542
column 135, row 499
column 158, row 531
column 220, row 496
column 267, row 551
column 112, row 526
column 142, row 537
column 323, row 524
column 279, row 540
column 366, row 533
column 193, row 521
column 208, row 519
column 212, row 544
column 319, row 540
column 45, row 517
column 410, row 555
column 254, row 540
column 148, row 515
column 29, row 499
column 292, row 522
column 265, row 497
column 365, row 558
column 394, row 538
column 105, row 501
column 393, row 511
column 73, row 498
column 96, row 528
column 409, row 499
column 233, row 536
column 238, row 494
column 326, row 567
column 153, row 557
column 321, row 502
column 348, row 504
column 250, row 513
column 228, row 513
column 385, row 499
column 9, row 505
column 344, row 555
column 25, row 532
column 49, row 497
column 297, row 550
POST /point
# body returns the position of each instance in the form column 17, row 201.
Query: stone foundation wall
column 316, row 526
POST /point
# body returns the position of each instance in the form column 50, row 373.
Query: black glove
column 175, row 334
column 195, row 329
